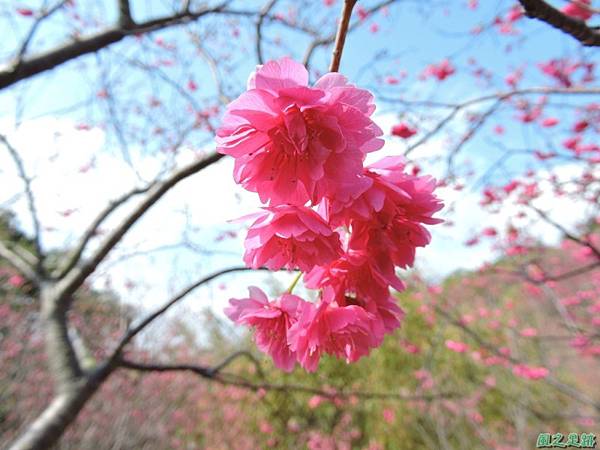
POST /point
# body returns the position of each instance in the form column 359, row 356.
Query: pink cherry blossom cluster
column 344, row 225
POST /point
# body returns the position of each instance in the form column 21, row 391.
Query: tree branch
column 259, row 23
column 163, row 309
column 125, row 18
column 27, row 67
column 18, row 263
column 234, row 380
column 568, row 235
column 498, row 97
column 78, row 274
column 30, row 199
column 539, row 9
column 92, row 229
column 34, row 28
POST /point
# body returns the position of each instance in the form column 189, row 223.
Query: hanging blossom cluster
column 345, row 226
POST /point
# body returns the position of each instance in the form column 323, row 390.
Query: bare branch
column 259, row 23
column 539, row 9
column 498, row 97
column 34, row 65
column 234, row 380
column 34, row 27
column 125, row 18
column 242, row 353
column 78, row 274
column 567, row 234
column 30, row 199
column 163, row 309
column 17, row 262
column 92, row 229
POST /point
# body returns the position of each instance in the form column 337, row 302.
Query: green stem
column 294, row 283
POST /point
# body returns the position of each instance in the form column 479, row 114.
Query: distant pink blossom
column 455, row 346
column 291, row 237
column 403, row 130
column 271, row 321
column 315, row 401
column 389, row 415
column 530, row 372
column 16, row 281
column 191, row 85
column 580, row 126
column 293, row 143
column 549, row 122
column 362, row 13
column 559, row 69
column 513, row 78
column 25, row 12
column 578, row 9
column 441, row 71
column 529, row 332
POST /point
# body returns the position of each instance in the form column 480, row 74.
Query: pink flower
column 16, row 281
column 578, row 9
column 513, row 78
column 530, row 372
column 315, row 401
column 549, row 122
column 440, row 71
column 25, row 12
column 356, row 272
column 271, row 321
column 529, row 332
column 455, row 346
column 580, row 126
column 357, row 279
column 342, row 331
column 386, row 220
column 403, row 130
column 191, row 85
column 389, row 415
column 291, row 237
column 514, row 13
column 559, row 69
column 293, row 143
column 391, row 192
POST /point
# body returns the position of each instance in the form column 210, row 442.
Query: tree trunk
column 47, row 429
column 73, row 387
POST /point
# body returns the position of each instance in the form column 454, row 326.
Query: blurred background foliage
column 436, row 383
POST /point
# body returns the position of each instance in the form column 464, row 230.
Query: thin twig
column 78, row 274
column 92, row 229
column 30, row 200
column 163, row 309
column 259, row 23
